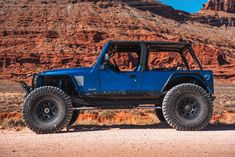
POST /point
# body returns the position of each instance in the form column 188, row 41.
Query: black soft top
column 159, row 45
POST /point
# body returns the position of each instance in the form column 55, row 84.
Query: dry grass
column 225, row 99
column 107, row 114
column 11, row 102
column 117, row 117
column 14, row 123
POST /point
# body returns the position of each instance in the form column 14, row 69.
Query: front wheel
column 47, row 110
column 187, row 107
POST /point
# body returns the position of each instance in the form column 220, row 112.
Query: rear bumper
column 27, row 89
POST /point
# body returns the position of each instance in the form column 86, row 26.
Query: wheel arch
column 66, row 83
column 60, row 98
column 177, row 79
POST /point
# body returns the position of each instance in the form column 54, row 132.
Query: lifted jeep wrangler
column 127, row 74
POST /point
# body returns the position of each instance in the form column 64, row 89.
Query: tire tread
column 168, row 110
column 41, row 91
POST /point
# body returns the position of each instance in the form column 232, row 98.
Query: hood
column 68, row 71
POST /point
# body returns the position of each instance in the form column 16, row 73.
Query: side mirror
column 106, row 57
column 102, row 66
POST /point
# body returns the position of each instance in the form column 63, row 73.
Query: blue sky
column 191, row 6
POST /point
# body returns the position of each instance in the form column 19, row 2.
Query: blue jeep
column 128, row 74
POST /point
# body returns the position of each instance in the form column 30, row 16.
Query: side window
column 124, row 58
column 126, row 61
column 164, row 61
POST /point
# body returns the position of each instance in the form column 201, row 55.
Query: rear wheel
column 187, row 107
column 47, row 110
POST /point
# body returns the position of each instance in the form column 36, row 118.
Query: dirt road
column 125, row 141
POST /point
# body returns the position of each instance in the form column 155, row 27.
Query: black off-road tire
column 160, row 115
column 174, row 112
column 51, row 120
column 74, row 117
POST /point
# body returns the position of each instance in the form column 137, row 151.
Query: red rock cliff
column 217, row 13
column 220, row 5
column 39, row 35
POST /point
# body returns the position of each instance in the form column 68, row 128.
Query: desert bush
column 107, row 114
column 12, row 123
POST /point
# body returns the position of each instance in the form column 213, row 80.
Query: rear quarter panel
column 205, row 77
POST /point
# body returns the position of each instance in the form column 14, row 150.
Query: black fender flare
column 176, row 78
column 70, row 78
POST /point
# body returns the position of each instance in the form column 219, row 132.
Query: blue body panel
column 97, row 80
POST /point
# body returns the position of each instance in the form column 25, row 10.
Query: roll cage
column 161, row 46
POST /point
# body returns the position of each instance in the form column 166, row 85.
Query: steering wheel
column 115, row 65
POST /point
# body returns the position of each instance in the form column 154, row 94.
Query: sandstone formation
column 220, row 5
column 37, row 35
column 159, row 8
column 217, row 13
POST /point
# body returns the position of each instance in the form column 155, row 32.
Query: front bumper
column 27, row 89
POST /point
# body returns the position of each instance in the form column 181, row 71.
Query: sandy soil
column 118, row 141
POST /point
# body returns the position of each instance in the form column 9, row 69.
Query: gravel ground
column 126, row 141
